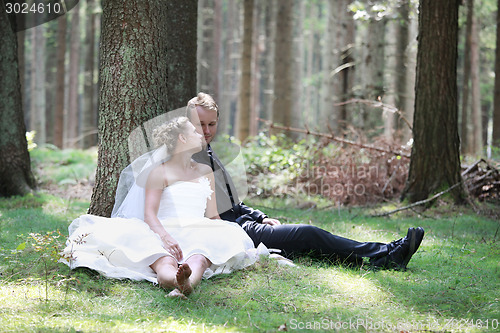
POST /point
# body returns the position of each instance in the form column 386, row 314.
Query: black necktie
column 212, row 164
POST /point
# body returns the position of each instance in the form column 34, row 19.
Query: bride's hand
column 172, row 247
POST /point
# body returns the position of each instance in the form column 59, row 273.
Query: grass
column 451, row 285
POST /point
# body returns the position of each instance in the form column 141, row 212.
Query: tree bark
column 408, row 105
column 58, row 136
column 50, row 78
column 209, row 35
column 391, row 74
column 496, row 97
column 285, row 84
column 148, row 67
column 476, row 111
column 373, row 72
column 403, row 68
column 266, row 64
column 21, row 35
column 38, row 84
column 466, row 130
column 245, row 87
column 73, row 85
column 15, row 168
column 89, row 114
column 435, row 157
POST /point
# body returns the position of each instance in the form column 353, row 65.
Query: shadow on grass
column 455, row 274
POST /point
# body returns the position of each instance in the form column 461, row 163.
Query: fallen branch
column 331, row 137
column 378, row 104
column 418, row 203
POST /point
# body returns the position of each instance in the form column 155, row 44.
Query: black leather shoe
column 415, row 241
column 401, row 251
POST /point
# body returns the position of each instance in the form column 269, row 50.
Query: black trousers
column 303, row 239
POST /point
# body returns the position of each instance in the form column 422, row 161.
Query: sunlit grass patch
column 68, row 166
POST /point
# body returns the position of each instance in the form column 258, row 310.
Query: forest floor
column 452, row 284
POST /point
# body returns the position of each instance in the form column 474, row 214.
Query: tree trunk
column 21, row 35
column 74, row 71
column 89, row 114
column 373, row 72
column 148, row 67
column 403, row 66
column 15, row 167
column 206, row 45
column 496, row 97
column 408, row 103
column 38, row 84
column 435, row 157
column 209, row 36
column 231, row 81
column 286, row 94
column 396, row 74
column 266, row 43
column 466, row 128
column 308, row 55
column 245, row 90
column 50, row 78
column 58, row 136
column 476, row 112
column 181, row 47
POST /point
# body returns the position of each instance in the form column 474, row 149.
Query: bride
column 180, row 238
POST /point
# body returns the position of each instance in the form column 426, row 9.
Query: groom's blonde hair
column 205, row 101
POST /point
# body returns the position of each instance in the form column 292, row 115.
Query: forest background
column 341, row 69
column 353, row 68
column 336, row 68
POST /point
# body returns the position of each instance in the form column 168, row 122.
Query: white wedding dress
column 125, row 248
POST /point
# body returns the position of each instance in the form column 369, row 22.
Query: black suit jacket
column 229, row 206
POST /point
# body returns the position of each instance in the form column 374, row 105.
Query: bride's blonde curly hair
column 167, row 134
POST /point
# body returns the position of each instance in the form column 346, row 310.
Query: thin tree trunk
column 216, row 61
column 50, row 78
column 410, row 78
column 232, row 55
column 373, row 61
column 466, row 130
column 402, row 65
column 38, row 84
column 60, row 86
column 245, row 91
column 476, row 112
column 267, row 60
column 74, row 71
column 255, row 70
column 21, row 35
column 89, row 114
column 285, row 85
column 496, row 95
column 391, row 78
column 309, row 40
column 206, row 46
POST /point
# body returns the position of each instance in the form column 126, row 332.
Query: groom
column 291, row 239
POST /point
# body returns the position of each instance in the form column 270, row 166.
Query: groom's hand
column 271, row 222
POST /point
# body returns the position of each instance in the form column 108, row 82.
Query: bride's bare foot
column 182, row 277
